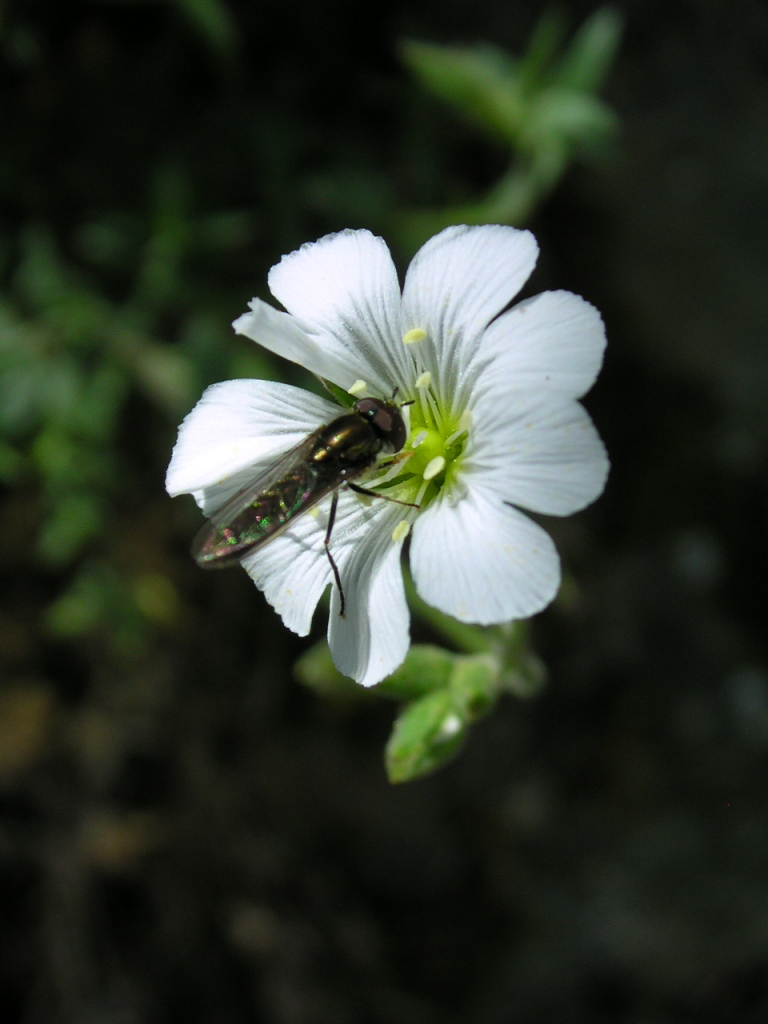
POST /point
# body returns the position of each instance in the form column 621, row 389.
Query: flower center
column 431, row 457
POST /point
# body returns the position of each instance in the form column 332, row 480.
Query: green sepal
column 475, row 685
column 443, row 692
column 431, row 730
column 522, row 673
column 427, row 733
column 339, row 394
column 525, row 678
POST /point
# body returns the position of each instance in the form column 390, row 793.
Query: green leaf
column 165, row 375
column 105, row 243
column 81, row 320
column 547, row 38
column 77, row 519
column 214, row 22
column 102, row 400
column 100, row 602
column 426, row 668
column 21, row 389
column 156, row 598
column 41, row 277
column 231, row 229
column 60, row 459
column 561, row 116
column 11, row 463
column 480, row 81
column 315, row 670
column 587, row 61
column 79, row 610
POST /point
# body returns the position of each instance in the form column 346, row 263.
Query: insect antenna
column 395, row 390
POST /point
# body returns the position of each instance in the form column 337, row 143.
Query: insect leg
column 331, row 521
column 376, row 494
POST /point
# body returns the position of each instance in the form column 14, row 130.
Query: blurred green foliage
column 115, row 311
column 72, row 359
column 543, row 108
column 442, row 692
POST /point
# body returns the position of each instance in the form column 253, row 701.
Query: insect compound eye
column 385, row 419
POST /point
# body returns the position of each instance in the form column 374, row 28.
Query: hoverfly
column 332, row 457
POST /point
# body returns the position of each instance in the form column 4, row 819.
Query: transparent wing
column 266, row 506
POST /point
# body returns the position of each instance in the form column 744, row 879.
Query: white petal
column 344, row 291
column 554, row 342
column 282, row 334
column 293, row 570
column 236, row 428
column 372, row 639
column 481, row 561
column 457, row 283
column 541, row 454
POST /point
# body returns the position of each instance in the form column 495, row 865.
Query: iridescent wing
column 293, row 484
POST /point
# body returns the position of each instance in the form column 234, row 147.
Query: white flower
column 495, row 426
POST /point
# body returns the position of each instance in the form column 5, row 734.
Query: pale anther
column 415, row 334
column 424, row 380
column 358, row 388
column 433, row 467
column 401, row 531
column 419, row 439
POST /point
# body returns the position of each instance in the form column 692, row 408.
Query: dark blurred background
column 188, row 834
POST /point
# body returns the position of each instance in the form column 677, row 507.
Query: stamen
column 424, row 395
column 424, row 380
column 420, row 438
column 433, row 467
column 358, row 388
column 413, row 336
column 465, row 422
column 401, row 531
column 394, row 470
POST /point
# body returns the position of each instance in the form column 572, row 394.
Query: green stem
column 465, row 638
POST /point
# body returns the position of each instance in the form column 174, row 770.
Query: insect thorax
column 348, row 443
